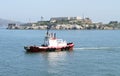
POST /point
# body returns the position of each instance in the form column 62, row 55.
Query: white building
column 54, row 19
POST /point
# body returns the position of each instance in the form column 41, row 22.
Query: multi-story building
column 54, row 19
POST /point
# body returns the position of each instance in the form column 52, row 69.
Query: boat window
column 59, row 40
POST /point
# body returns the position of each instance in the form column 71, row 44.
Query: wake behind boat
column 51, row 43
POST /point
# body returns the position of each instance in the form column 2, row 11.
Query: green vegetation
column 114, row 24
column 42, row 23
column 84, row 24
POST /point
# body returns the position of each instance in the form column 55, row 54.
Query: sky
column 32, row 10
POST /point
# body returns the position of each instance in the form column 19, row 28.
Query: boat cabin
column 52, row 41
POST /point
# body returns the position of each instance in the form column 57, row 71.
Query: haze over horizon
column 26, row 10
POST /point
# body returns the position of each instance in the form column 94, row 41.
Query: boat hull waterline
column 69, row 47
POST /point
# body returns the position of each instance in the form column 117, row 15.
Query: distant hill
column 4, row 22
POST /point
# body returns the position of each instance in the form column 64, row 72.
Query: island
column 66, row 23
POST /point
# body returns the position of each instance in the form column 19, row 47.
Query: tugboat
column 51, row 44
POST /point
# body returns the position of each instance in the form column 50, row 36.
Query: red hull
column 69, row 47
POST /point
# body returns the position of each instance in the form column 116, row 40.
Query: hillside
column 4, row 22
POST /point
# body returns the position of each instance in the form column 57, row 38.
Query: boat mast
column 46, row 40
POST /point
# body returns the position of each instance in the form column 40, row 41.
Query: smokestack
column 54, row 35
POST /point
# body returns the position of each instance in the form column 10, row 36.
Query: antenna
column 42, row 18
column 83, row 17
column 30, row 20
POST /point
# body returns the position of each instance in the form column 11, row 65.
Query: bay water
column 96, row 53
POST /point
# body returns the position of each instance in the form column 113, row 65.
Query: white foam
column 96, row 48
